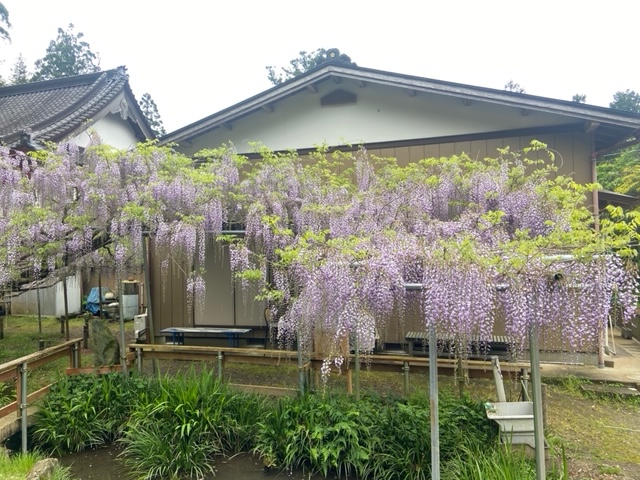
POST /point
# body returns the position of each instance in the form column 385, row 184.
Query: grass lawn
column 22, row 336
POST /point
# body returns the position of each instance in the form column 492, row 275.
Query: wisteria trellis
column 333, row 238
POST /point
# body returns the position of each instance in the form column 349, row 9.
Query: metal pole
column 300, row 366
column 220, row 357
column 123, row 350
column 405, row 370
column 357, row 367
column 147, row 293
column 139, row 359
column 433, row 402
column 433, row 393
column 23, row 405
column 40, row 312
column 76, row 357
column 602, row 335
column 65, row 297
column 524, row 381
column 538, row 425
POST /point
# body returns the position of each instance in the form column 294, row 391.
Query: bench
column 176, row 335
column 499, row 345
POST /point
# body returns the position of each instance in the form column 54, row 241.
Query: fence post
column 85, row 333
column 220, row 365
column 139, row 359
column 23, row 404
column 405, row 370
column 75, row 356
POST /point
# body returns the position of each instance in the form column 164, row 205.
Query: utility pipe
column 497, row 376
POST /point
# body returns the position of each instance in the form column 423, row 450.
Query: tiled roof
column 51, row 110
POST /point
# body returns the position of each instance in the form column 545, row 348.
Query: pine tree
column 512, row 86
column 19, row 72
column 4, row 23
column 150, row 110
column 67, row 55
column 629, row 101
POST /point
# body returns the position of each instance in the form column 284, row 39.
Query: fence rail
column 312, row 362
column 16, row 371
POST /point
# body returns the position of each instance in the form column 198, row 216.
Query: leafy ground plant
column 86, row 410
column 16, row 467
column 192, row 418
column 498, row 462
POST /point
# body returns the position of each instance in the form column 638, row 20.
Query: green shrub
column 490, row 462
column 322, row 434
column 69, row 419
column 403, row 434
column 86, row 410
column 156, row 446
column 191, row 419
column 385, row 439
column 242, row 412
column 403, row 450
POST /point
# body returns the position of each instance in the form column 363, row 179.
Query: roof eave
column 580, row 111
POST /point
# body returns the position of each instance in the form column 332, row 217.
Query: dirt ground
column 601, row 435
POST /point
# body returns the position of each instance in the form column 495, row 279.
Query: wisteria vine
column 333, row 238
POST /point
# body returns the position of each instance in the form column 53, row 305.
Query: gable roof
column 612, row 128
column 54, row 110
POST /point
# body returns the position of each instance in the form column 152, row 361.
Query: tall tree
column 628, row 101
column 4, row 23
column 19, row 72
column 67, row 55
column 579, row 98
column 621, row 172
column 512, row 86
column 304, row 63
column 150, row 110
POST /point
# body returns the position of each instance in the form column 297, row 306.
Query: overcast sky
column 196, row 57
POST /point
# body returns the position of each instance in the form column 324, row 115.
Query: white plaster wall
column 381, row 114
column 112, row 130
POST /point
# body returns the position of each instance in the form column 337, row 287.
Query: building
column 345, row 106
column 76, row 109
column 70, row 109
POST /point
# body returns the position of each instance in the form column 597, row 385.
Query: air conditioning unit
column 130, row 299
column 140, row 327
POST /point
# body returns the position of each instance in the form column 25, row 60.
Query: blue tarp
column 93, row 300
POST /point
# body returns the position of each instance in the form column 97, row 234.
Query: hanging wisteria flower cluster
column 65, row 209
column 344, row 234
column 333, row 238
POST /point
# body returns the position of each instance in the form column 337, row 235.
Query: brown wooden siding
column 226, row 306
